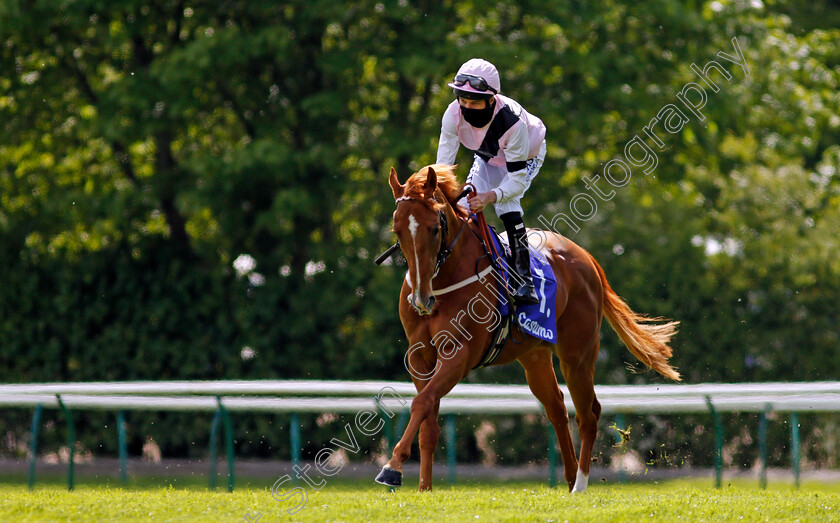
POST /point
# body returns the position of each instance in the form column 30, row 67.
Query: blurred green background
column 196, row 190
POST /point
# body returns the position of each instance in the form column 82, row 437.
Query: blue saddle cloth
column 537, row 319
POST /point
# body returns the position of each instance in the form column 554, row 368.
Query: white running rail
column 354, row 396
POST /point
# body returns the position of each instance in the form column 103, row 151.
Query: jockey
column 509, row 147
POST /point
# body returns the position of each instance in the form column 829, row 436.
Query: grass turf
column 683, row 500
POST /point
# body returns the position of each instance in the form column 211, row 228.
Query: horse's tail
column 647, row 341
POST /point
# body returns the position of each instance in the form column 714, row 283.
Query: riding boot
column 524, row 292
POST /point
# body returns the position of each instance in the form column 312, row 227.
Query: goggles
column 476, row 82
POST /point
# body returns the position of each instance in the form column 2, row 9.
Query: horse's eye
column 436, row 229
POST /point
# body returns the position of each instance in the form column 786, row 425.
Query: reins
column 444, row 252
column 484, row 231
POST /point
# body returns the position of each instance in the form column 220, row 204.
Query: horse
column 446, row 342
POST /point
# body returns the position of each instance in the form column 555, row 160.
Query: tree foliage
column 146, row 146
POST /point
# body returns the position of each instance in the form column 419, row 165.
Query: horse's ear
column 431, row 183
column 396, row 188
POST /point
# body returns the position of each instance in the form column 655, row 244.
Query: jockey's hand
column 481, row 200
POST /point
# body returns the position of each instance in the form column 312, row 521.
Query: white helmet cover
column 482, row 69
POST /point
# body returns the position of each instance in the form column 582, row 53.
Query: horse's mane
column 447, row 182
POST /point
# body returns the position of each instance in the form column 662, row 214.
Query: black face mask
column 478, row 117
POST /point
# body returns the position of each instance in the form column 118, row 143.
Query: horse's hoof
column 390, row 477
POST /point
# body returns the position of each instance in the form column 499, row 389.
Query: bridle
column 444, row 251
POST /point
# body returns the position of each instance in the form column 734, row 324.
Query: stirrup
column 526, row 295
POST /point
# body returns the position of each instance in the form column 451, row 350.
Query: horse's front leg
column 424, row 408
column 429, row 433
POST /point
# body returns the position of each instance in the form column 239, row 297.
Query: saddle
column 539, row 319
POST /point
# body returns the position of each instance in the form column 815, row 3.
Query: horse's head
column 421, row 223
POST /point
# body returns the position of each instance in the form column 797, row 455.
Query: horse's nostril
column 431, row 302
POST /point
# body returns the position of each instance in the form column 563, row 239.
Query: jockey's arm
column 448, row 143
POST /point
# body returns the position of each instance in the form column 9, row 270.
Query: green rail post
column 762, row 445
column 718, row 443
column 389, row 432
column 71, row 441
column 228, row 441
column 552, row 455
column 33, row 444
column 619, row 439
column 214, row 444
column 794, row 446
column 294, row 429
column 402, row 421
column 451, row 454
column 121, row 443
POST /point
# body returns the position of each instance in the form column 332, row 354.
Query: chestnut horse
column 428, row 221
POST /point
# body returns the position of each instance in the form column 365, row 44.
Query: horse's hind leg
column 539, row 372
column 580, row 379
